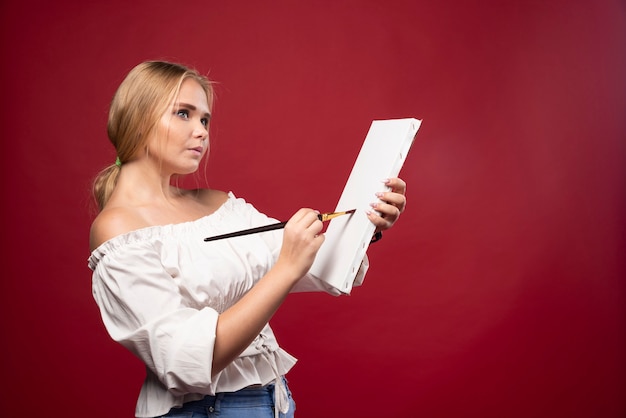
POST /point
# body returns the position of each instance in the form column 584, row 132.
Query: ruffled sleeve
column 143, row 310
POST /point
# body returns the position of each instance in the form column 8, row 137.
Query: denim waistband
column 248, row 397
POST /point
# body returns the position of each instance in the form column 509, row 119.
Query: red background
column 500, row 293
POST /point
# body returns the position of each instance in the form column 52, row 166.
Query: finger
column 308, row 220
column 379, row 222
column 304, row 215
column 386, row 211
column 396, row 185
column 315, row 226
column 396, row 199
column 319, row 240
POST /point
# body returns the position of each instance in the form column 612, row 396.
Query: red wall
column 500, row 293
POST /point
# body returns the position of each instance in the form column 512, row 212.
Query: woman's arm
column 240, row 324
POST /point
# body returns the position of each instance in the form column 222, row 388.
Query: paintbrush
column 322, row 217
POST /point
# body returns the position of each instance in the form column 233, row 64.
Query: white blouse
column 161, row 289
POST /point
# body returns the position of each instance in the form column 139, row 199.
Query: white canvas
column 347, row 237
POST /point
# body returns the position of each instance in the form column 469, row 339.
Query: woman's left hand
column 391, row 204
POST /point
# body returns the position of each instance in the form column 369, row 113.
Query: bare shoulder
column 211, row 199
column 116, row 220
column 113, row 222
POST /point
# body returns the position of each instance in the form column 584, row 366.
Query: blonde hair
column 138, row 104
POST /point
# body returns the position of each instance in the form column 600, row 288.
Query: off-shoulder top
column 161, row 289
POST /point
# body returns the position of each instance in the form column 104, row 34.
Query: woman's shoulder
column 112, row 222
column 116, row 219
column 211, row 198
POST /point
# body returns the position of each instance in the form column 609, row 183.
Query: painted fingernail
column 380, row 194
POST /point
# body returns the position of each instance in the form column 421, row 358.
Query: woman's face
column 181, row 138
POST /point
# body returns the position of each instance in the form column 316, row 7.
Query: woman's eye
column 183, row 113
column 205, row 122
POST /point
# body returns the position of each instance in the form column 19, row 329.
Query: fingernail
column 385, row 181
column 374, row 204
column 379, row 194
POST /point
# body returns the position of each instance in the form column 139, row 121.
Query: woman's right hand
column 301, row 241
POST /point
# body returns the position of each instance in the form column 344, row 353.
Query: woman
column 195, row 313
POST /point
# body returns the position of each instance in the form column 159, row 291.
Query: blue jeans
column 255, row 402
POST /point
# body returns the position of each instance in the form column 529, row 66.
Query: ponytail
column 104, row 183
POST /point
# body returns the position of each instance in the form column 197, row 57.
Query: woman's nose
column 200, row 130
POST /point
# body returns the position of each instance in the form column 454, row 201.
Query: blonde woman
column 195, row 313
